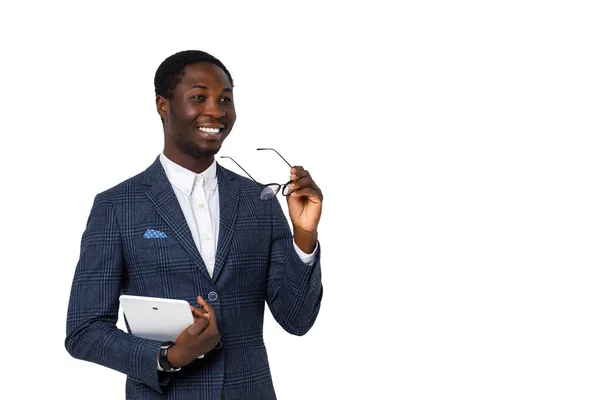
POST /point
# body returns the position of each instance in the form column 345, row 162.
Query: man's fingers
column 200, row 314
column 302, row 183
column 207, row 308
column 202, row 302
column 296, row 169
column 197, row 310
column 298, row 173
column 197, row 327
column 312, row 194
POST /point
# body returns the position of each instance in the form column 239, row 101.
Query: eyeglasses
column 269, row 190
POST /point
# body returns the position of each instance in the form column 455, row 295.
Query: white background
column 456, row 144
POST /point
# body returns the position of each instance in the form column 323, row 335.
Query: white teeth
column 209, row 130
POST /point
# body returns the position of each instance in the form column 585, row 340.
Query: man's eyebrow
column 204, row 87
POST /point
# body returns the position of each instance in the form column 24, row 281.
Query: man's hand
column 197, row 339
column 304, row 204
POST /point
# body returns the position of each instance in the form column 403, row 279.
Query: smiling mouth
column 209, row 130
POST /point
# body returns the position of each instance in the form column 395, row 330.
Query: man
column 222, row 247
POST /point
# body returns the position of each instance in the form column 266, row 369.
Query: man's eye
column 226, row 100
column 198, row 97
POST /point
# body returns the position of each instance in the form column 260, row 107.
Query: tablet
column 155, row 318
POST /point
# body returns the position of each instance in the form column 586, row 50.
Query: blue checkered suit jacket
column 255, row 263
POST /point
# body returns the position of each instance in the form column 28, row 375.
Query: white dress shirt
column 198, row 197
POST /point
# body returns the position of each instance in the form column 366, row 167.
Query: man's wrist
column 306, row 241
column 163, row 358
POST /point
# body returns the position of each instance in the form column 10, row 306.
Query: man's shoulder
column 136, row 184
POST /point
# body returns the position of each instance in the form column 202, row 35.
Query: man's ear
column 162, row 107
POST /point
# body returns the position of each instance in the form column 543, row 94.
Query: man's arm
column 294, row 289
column 92, row 334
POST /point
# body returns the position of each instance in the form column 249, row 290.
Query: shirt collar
column 184, row 179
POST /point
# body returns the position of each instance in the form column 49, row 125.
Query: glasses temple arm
column 242, row 169
column 267, row 148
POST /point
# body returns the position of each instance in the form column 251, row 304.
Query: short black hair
column 170, row 71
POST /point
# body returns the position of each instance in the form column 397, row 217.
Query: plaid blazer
column 255, row 263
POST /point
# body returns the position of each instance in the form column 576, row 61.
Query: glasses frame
column 278, row 186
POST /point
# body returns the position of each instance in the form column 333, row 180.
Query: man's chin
column 203, row 152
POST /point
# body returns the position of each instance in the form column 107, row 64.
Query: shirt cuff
column 308, row 259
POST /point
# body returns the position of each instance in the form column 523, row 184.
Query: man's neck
column 194, row 164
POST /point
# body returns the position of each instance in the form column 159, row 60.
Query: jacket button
column 212, row 296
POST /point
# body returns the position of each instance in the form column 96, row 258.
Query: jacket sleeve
column 92, row 333
column 294, row 289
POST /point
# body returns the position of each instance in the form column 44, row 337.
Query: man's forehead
column 204, row 72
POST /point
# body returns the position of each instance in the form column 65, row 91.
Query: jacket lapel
column 228, row 207
column 161, row 194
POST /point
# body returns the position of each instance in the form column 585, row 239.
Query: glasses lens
column 286, row 190
column 269, row 192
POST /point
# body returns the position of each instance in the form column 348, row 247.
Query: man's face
column 200, row 113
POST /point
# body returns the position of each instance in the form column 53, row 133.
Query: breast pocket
column 158, row 263
column 157, row 250
column 157, row 243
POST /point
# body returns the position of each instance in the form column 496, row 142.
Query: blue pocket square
column 154, row 234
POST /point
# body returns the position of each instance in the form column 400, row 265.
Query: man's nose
column 213, row 109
